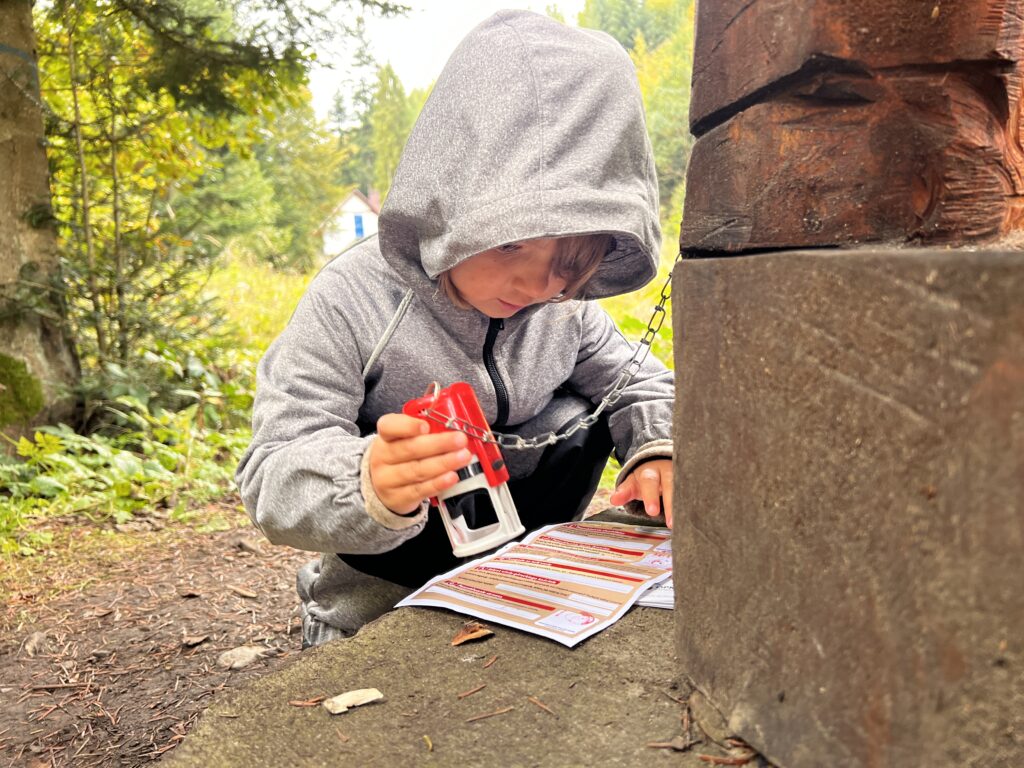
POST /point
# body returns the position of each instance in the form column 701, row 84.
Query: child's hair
column 576, row 260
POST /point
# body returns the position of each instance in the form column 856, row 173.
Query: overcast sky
column 418, row 44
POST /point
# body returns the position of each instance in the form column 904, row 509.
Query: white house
column 354, row 217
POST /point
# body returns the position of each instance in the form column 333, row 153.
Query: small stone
column 240, row 657
column 247, row 545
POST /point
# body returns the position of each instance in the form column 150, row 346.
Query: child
column 526, row 188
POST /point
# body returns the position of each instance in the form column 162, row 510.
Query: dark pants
column 559, row 490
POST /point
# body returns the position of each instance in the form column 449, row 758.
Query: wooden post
column 849, row 424
column 826, row 122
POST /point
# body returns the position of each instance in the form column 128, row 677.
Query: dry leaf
column 471, row 630
column 345, row 701
column 194, row 640
column 240, row 657
column 241, row 591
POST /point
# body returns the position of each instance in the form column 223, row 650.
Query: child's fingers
column 666, row 495
column 414, row 473
column 414, row 449
column 625, row 492
column 402, row 485
column 406, row 498
column 398, row 426
column 649, row 483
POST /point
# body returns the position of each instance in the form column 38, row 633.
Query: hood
column 533, row 129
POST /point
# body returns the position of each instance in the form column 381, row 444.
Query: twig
column 495, row 713
column 56, row 686
column 471, row 691
column 490, row 661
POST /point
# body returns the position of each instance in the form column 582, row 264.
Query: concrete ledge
column 608, row 695
column 850, row 503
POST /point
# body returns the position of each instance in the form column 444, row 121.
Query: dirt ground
column 109, row 644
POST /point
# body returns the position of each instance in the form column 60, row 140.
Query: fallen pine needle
column 742, row 760
column 495, row 713
column 471, row 691
column 675, row 699
column 242, row 591
column 537, row 702
column 307, row 702
column 430, row 744
column 490, row 661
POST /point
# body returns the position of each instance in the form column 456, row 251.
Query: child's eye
column 508, row 248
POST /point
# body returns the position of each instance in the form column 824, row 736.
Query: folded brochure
column 659, row 596
column 565, row 582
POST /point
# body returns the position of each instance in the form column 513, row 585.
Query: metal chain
column 519, row 443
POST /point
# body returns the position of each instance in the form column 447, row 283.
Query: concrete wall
column 850, row 503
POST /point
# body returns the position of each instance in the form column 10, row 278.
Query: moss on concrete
column 21, row 393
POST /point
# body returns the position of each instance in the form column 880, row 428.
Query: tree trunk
column 37, row 362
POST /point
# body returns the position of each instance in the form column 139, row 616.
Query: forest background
column 191, row 183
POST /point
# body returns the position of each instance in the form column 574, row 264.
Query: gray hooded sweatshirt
column 534, row 129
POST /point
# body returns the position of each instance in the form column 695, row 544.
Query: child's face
column 511, row 277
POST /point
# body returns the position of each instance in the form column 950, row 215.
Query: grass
column 258, row 300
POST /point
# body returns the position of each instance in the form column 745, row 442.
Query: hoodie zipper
column 500, row 391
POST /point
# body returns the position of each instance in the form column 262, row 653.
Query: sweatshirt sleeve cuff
column 375, row 507
column 656, row 449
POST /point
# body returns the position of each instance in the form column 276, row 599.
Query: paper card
column 565, row 582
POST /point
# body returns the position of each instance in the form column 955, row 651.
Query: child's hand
column 408, row 465
column 651, row 482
